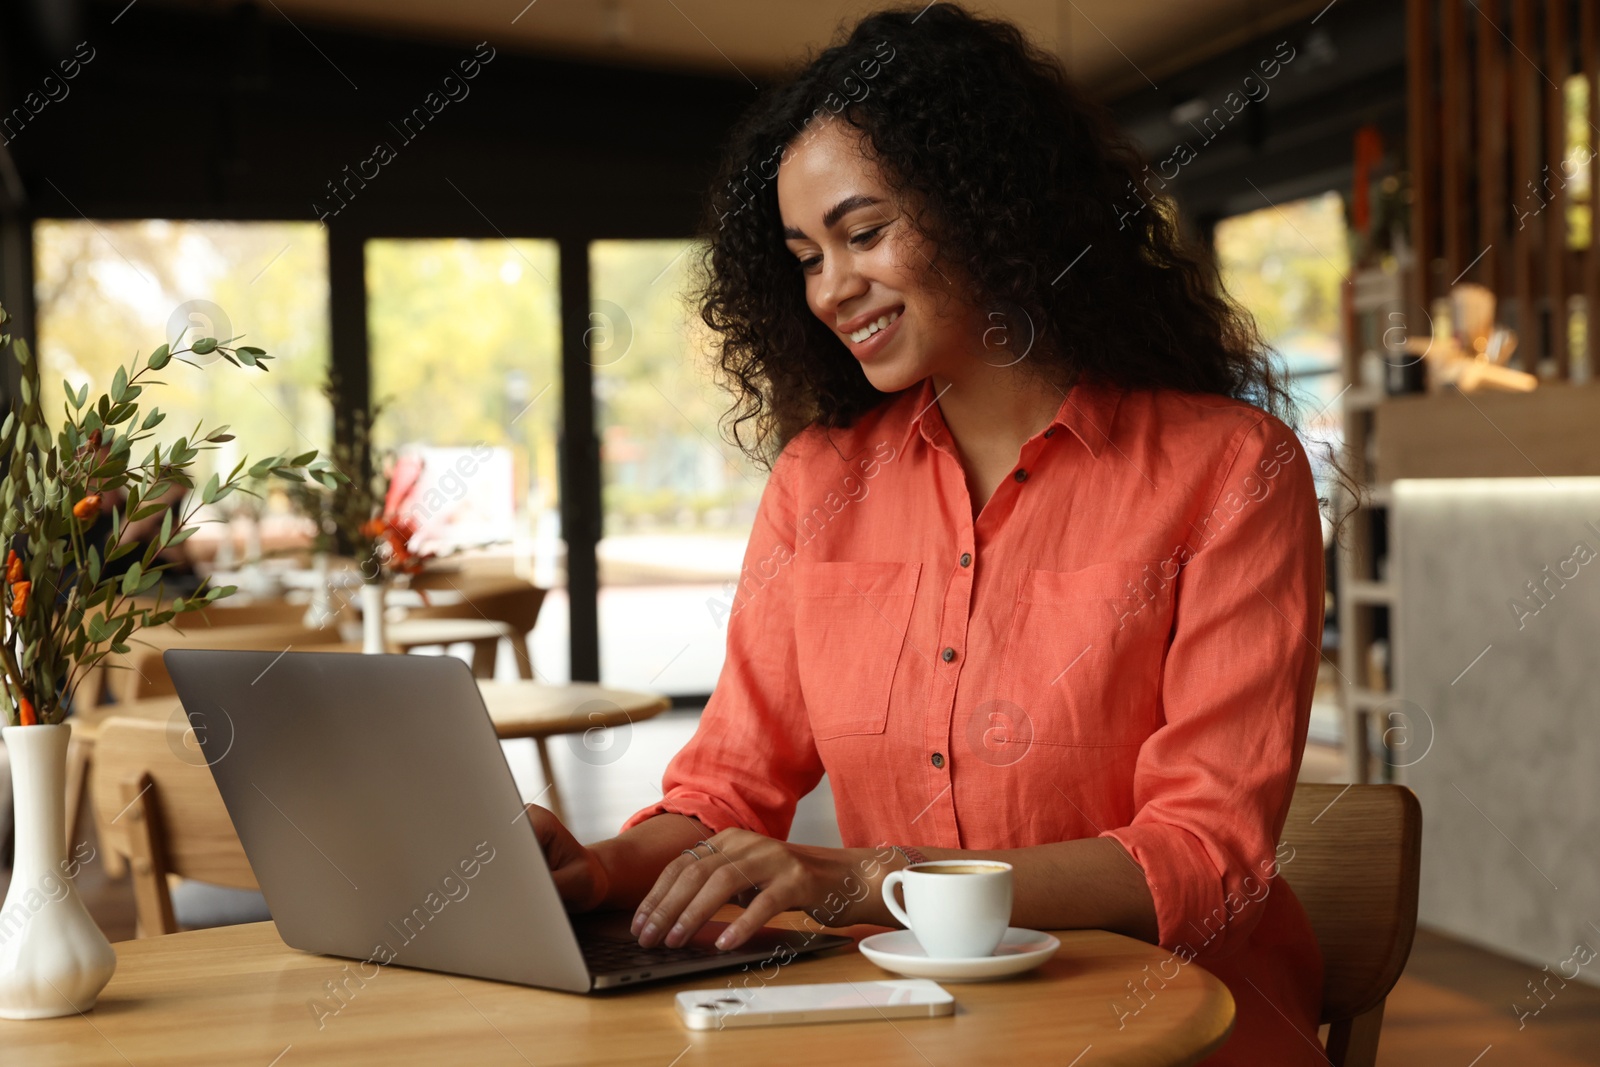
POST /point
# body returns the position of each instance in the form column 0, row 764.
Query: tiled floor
column 1452, row 1008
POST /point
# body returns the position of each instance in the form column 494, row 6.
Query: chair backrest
column 1357, row 856
column 235, row 611
column 506, row 599
column 144, row 674
column 159, row 807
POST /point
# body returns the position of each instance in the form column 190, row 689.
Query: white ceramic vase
column 373, row 631
column 53, row 958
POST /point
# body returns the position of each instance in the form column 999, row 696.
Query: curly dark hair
column 1015, row 172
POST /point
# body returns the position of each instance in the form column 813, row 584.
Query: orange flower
column 87, row 508
column 19, row 597
column 13, row 567
column 26, row 715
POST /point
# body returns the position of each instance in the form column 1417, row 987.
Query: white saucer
column 1019, row 950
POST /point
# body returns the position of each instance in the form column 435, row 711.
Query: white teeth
column 871, row 328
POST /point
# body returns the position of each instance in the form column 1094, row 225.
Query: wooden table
column 237, row 995
column 519, row 709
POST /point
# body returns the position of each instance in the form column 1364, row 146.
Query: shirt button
column 1022, row 475
column 966, row 559
column 938, row 759
column 1050, row 431
column 948, row 654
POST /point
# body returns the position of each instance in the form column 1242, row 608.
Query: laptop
column 380, row 817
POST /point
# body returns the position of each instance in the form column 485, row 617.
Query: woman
column 1037, row 575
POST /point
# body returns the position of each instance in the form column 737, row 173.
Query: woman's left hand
column 766, row 875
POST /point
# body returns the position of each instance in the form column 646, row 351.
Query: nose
column 838, row 282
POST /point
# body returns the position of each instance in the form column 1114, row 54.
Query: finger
column 569, row 884
column 684, row 888
column 546, row 827
column 724, row 882
column 677, row 885
column 774, row 899
column 658, row 891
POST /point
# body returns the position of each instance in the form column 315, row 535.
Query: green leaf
column 130, row 580
column 119, row 384
column 159, row 358
column 152, row 420
column 252, row 350
column 246, row 356
column 94, row 565
column 204, row 346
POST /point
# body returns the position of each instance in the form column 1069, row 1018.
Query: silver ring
column 692, row 852
column 708, row 844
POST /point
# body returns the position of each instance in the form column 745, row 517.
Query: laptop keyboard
column 605, row 956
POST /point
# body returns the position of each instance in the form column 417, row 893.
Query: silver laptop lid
column 378, row 812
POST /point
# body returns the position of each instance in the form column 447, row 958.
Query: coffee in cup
column 957, row 909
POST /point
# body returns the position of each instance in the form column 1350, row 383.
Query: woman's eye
column 807, row 264
column 866, row 235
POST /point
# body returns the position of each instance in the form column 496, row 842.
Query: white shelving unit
column 1367, row 596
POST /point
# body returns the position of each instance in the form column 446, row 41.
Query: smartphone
column 821, row 1002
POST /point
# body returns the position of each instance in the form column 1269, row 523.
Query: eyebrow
column 834, row 214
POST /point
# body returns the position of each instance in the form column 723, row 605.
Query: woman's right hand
column 580, row 877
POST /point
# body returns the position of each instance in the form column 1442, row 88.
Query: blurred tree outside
column 108, row 289
column 466, row 353
column 668, row 464
column 1286, row 265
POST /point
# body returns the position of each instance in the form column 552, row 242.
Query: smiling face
column 868, row 271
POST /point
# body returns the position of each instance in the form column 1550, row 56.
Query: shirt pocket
column 850, row 632
column 1084, row 651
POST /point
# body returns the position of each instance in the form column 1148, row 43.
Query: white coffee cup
column 958, row 909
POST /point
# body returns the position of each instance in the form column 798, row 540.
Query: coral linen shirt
column 1122, row 644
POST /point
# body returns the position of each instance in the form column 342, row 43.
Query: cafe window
column 465, row 342
column 107, row 290
column 679, row 499
column 1286, row 265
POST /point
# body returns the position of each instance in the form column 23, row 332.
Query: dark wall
column 237, row 114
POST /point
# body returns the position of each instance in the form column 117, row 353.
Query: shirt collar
column 1087, row 409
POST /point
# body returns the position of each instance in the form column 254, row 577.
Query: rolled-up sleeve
column 1213, row 783
column 753, row 757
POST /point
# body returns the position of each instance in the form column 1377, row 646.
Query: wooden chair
column 499, row 598
column 1357, row 857
column 145, row 674
column 242, row 611
column 163, row 814
column 502, row 598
